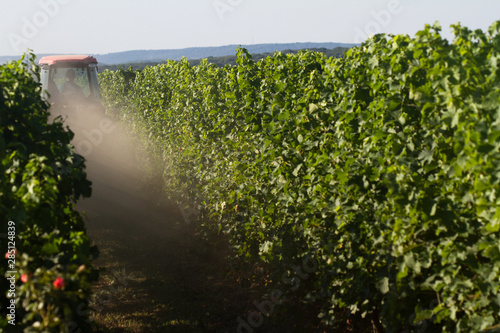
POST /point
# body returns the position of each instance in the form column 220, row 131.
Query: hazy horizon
column 178, row 49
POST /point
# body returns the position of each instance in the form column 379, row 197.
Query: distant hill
column 139, row 56
column 337, row 52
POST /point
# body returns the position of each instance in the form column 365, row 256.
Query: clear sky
column 98, row 27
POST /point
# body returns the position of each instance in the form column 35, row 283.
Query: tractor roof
column 51, row 60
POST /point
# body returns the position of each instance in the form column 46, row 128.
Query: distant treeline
column 337, row 52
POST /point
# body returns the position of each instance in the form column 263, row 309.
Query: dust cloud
column 123, row 195
column 151, row 261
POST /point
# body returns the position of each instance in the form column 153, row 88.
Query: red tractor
column 70, row 81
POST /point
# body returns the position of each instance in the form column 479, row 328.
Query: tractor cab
column 70, row 80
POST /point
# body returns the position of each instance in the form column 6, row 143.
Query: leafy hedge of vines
column 384, row 166
column 41, row 179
